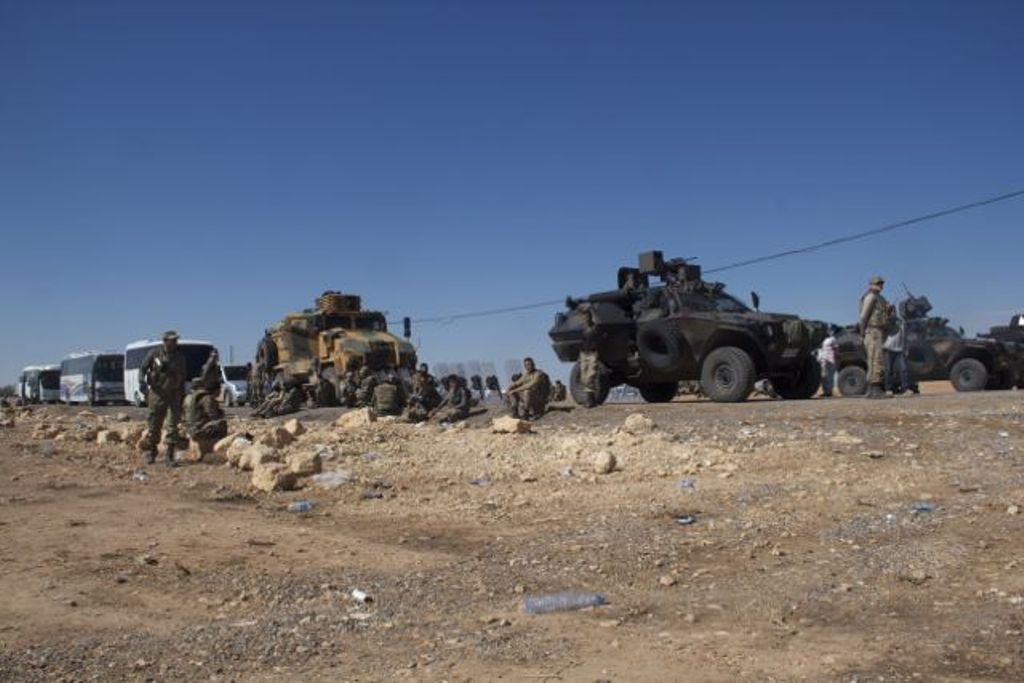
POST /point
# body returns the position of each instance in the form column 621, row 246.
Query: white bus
column 39, row 384
column 92, row 377
column 196, row 352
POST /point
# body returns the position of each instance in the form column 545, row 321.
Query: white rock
column 258, row 454
column 273, row 476
column 639, row 424
column 222, row 446
column 304, row 464
column 276, row 437
column 295, row 427
column 356, row 419
column 107, row 436
column 236, row 450
column 510, row 425
column 604, row 462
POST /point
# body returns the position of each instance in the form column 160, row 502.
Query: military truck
column 935, row 351
column 317, row 346
column 679, row 328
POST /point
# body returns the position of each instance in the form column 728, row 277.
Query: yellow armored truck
column 317, row 346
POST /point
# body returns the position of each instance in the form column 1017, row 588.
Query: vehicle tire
column 660, row 347
column 804, row 385
column 727, row 375
column 327, row 389
column 579, row 393
column 968, row 374
column 852, row 381
column 1002, row 381
column 658, row 392
column 266, row 354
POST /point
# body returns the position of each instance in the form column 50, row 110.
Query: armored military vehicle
column 682, row 328
column 319, row 345
column 1014, row 332
column 935, row 351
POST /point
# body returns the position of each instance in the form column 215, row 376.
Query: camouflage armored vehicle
column 319, row 345
column 682, row 328
column 935, row 351
column 1014, row 332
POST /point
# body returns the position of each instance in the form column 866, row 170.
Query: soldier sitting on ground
column 457, row 401
column 204, row 415
column 285, row 398
column 558, row 392
column 423, row 399
column 388, row 396
column 528, row 396
column 367, row 383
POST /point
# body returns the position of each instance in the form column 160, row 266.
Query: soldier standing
column 163, row 372
column 590, row 366
column 875, row 315
column 528, row 395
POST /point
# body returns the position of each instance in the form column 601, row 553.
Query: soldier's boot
column 876, row 391
column 151, row 455
column 171, row 462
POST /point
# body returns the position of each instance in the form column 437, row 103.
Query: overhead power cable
column 759, row 259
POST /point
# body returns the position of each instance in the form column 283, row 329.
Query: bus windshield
column 109, row 368
column 50, row 379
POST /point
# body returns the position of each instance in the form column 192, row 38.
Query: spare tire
column 852, row 381
column 658, row 392
column 580, row 394
column 801, row 385
column 660, row 347
column 968, row 374
column 727, row 375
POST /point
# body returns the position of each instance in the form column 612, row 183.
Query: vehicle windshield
column 335, row 321
column 195, row 356
column 236, row 373
column 109, row 369
column 373, row 323
column 717, row 303
column 50, row 379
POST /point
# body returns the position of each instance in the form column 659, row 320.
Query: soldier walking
column 163, row 372
column 874, row 320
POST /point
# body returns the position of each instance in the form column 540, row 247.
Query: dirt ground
column 833, row 540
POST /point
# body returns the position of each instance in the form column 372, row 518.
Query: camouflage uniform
column 164, row 372
column 367, row 383
column 558, row 392
column 282, row 401
column 388, row 397
column 203, row 411
column 456, row 404
column 875, row 314
column 528, row 396
column 423, row 399
column 348, row 393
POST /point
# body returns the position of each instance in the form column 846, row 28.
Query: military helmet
column 169, row 335
column 876, row 280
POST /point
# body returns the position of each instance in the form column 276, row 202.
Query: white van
column 196, row 353
column 236, row 384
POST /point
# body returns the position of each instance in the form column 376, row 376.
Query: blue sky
column 209, row 166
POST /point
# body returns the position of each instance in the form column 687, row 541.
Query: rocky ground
column 822, row 540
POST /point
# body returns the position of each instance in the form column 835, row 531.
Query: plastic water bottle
column 300, row 506
column 561, row 602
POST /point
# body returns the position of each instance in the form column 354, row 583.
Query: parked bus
column 39, row 384
column 196, row 353
column 92, row 377
column 236, row 384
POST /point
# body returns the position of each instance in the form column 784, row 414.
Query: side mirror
column 756, row 300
